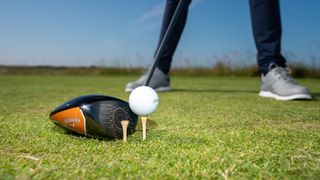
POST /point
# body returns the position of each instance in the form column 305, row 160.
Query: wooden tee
column 124, row 124
column 144, row 127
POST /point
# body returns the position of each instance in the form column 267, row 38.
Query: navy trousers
column 266, row 27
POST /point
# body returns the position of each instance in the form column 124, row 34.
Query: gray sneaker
column 159, row 82
column 278, row 84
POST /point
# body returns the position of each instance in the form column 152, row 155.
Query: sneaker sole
column 284, row 98
column 159, row 89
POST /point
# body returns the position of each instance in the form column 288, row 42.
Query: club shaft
column 164, row 40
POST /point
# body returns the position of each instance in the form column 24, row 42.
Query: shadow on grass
column 315, row 95
column 77, row 135
column 215, row 91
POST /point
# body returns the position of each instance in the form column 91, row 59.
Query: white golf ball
column 143, row 100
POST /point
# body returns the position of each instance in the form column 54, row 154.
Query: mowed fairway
column 208, row 127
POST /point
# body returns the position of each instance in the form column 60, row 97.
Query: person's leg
column 266, row 26
column 169, row 48
column 160, row 80
column 275, row 80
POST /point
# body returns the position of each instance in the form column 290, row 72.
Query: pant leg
column 266, row 25
column 170, row 47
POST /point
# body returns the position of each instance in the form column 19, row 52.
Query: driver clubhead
column 95, row 116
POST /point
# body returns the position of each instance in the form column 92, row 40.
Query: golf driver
column 159, row 51
column 97, row 116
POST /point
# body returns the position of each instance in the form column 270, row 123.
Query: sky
column 126, row 32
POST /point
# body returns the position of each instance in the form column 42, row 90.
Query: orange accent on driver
column 72, row 119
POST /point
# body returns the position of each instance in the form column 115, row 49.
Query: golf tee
column 144, row 127
column 124, row 124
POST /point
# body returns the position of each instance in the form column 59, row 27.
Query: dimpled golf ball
column 143, row 100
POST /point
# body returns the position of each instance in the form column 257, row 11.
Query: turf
column 208, row 127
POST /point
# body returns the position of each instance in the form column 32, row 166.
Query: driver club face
column 95, row 116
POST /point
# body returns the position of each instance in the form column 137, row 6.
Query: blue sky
column 125, row 33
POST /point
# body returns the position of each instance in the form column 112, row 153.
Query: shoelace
column 283, row 73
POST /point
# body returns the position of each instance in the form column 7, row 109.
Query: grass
column 208, row 127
